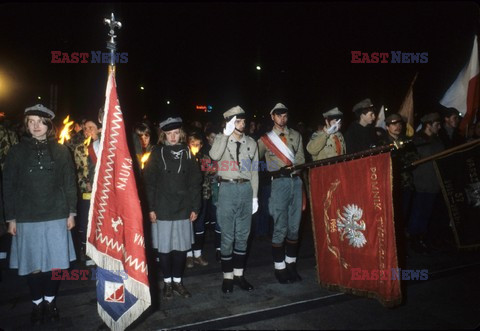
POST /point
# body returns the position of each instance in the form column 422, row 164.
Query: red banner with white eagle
column 115, row 237
column 353, row 226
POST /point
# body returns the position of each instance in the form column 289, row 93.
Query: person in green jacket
column 40, row 197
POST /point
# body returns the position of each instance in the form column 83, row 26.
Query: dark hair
column 143, row 128
column 195, row 136
column 51, row 131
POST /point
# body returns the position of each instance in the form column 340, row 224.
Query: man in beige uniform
column 237, row 196
column 284, row 147
column 329, row 141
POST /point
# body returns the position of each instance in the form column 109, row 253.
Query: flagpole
column 341, row 158
column 446, row 152
column 112, row 44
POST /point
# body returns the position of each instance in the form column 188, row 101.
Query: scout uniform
column 238, row 188
column 285, row 205
column 323, row 145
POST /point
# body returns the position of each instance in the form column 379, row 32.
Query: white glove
column 254, row 205
column 230, row 127
column 334, row 127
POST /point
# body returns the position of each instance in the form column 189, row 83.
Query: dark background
column 206, row 53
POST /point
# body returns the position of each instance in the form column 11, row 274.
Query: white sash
column 275, row 139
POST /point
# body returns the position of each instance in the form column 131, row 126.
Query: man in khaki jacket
column 329, row 141
column 237, row 196
column 282, row 147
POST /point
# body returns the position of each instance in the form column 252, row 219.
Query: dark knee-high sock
column 178, row 263
column 34, row 282
column 239, row 259
column 278, row 253
column 165, row 261
column 199, row 241
column 291, row 249
column 218, row 239
column 50, row 286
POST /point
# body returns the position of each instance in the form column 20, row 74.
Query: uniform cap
column 431, row 117
column 364, row 104
column 335, row 112
column 393, row 118
column 234, row 111
column 279, row 108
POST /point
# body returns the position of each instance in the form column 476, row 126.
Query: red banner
column 115, row 239
column 353, row 227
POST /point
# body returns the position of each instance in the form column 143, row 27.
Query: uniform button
column 41, row 167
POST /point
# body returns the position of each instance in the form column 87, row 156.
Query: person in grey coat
column 40, row 197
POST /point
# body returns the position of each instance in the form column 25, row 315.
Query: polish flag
column 464, row 95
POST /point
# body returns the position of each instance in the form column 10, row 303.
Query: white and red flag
column 464, row 95
column 115, row 237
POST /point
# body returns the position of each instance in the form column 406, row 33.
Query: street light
column 5, row 85
column 258, row 68
column 39, row 98
column 142, row 88
column 168, row 102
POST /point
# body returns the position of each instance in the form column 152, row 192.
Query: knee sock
column 178, row 263
column 199, row 241
column 291, row 249
column 50, row 285
column 278, row 253
column 165, row 260
column 34, row 282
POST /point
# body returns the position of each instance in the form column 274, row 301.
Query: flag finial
column 112, row 44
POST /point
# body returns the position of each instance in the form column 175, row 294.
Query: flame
column 194, row 149
column 67, row 128
column 86, row 142
column 144, row 159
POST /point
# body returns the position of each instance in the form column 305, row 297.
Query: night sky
column 206, row 54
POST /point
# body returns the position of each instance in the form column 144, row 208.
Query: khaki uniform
column 323, row 145
column 224, row 151
column 294, row 143
column 235, row 198
column 285, row 203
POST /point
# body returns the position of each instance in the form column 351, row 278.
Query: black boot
column 51, row 311
column 227, row 285
column 36, row 316
column 282, row 276
column 241, row 282
column 292, row 271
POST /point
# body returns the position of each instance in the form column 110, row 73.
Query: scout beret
column 171, row 123
column 279, row 108
column 39, row 110
column 333, row 113
column 235, row 111
column 367, row 103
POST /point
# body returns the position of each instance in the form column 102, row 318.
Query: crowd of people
column 193, row 178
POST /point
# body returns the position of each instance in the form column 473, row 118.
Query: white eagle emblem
column 350, row 224
column 116, row 223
